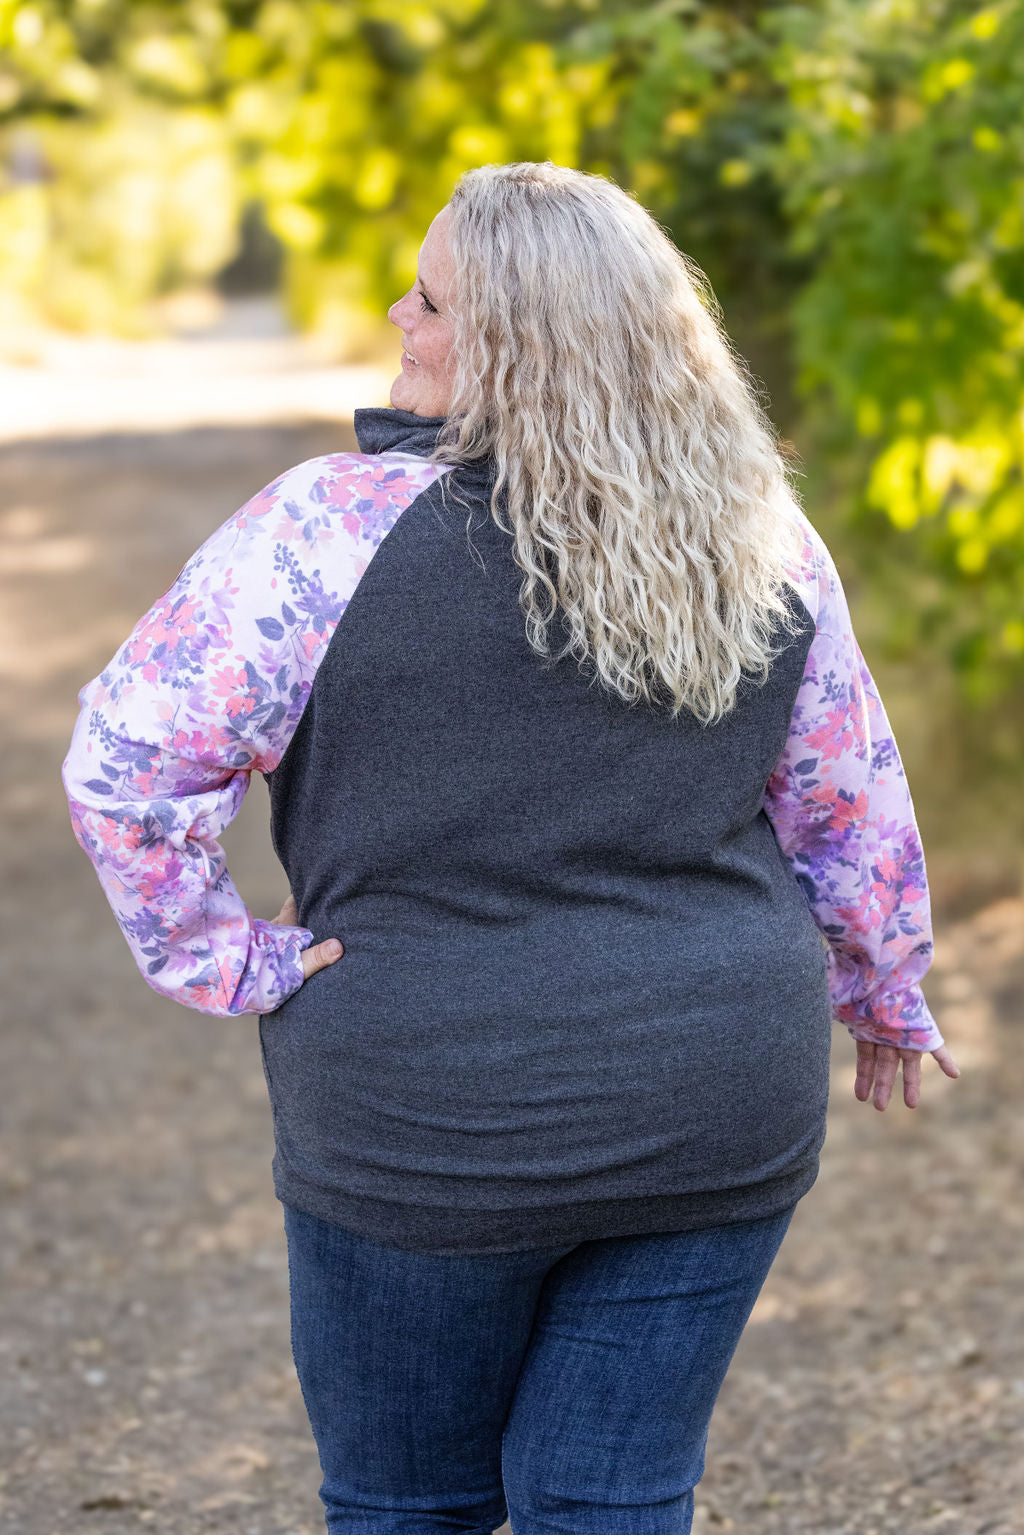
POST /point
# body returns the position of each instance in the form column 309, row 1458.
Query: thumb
column 320, row 955
column 946, row 1061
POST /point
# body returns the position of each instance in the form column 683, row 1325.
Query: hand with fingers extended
column 319, row 955
column 877, row 1066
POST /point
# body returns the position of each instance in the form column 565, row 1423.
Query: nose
column 395, row 312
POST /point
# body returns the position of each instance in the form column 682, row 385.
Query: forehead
column 435, row 255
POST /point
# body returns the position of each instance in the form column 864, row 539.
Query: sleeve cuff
column 902, row 1019
column 277, row 972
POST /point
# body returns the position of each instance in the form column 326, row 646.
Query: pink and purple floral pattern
column 207, row 688
column 841, row 809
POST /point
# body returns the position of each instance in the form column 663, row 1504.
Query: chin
column 404, row 396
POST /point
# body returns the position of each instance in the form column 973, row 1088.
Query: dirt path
column 145, row 1373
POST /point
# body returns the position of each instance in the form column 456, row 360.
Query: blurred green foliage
column 850, row 175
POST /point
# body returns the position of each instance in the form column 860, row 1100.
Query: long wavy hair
column 642, row 481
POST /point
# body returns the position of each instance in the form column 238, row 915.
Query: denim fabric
column 566, row 1388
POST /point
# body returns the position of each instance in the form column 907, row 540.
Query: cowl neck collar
column 382, row 429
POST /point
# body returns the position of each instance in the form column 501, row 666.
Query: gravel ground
column 147, row 1379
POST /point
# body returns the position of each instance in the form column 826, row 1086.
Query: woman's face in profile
column 424, row 318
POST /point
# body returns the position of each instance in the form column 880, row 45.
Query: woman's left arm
column 841, row 808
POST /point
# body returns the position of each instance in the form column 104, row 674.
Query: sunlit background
column 206, row 208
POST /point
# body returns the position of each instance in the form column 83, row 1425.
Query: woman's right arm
column 208, row 687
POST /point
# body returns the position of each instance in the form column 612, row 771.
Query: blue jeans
column 569, row 1389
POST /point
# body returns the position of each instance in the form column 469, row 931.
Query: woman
column 546, row 1015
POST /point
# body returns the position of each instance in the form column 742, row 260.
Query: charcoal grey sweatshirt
column 582, row 993
column 592, row 953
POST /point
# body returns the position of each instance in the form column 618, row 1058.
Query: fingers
column 320, row 955
column 946, row 1061
column 877, row 1066
column 886, row 1061
column 865, row 1070
column 911, row 1077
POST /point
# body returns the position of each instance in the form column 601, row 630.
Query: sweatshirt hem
column 445, row 1231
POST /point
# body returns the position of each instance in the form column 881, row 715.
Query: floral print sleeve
column 840, row 805
column 209, row 686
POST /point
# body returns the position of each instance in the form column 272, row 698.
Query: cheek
column 435, row 349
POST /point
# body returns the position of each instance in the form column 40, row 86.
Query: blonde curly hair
column 642, row 480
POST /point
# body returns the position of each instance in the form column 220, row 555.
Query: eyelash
column 427, row 304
